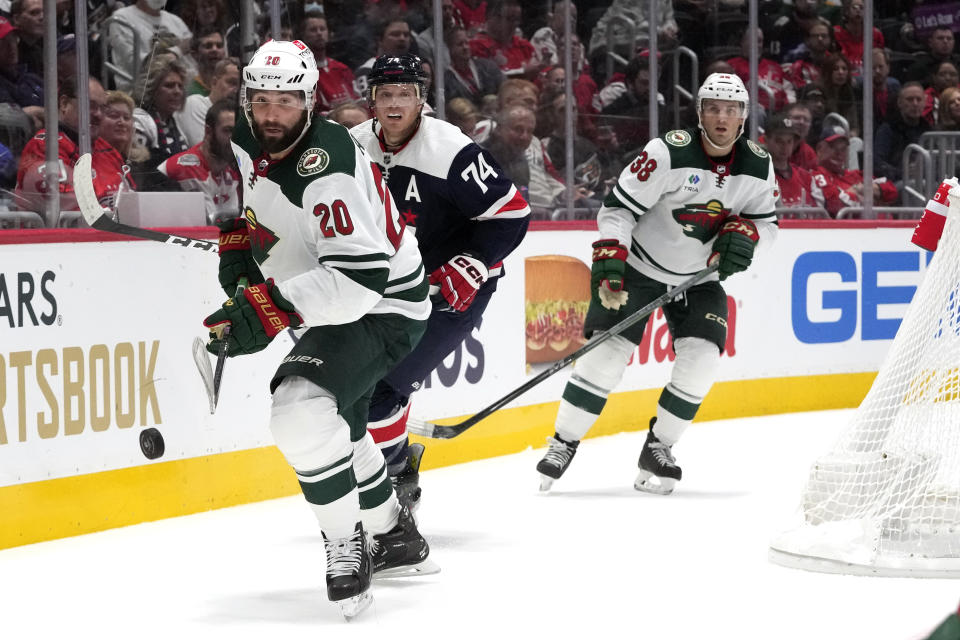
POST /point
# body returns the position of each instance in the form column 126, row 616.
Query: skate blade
column 546, row 482
column 352, row 607
column 425, row 568
column 649, row 483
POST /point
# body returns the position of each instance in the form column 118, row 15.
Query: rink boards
column 97, row 333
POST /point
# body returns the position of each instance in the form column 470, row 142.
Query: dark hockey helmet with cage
column 405, row 68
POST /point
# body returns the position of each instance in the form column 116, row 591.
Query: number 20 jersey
column 322, row 224
column 669, row 203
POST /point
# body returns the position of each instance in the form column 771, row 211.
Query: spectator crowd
column 165, row 79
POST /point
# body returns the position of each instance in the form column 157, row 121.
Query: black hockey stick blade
column 445, row 432
column 99, row 218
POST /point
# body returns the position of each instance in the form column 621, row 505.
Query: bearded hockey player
column 467, row 217
column 692, row 197
column 321, row 225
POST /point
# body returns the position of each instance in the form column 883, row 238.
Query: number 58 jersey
column 323, row 225
column 669, row 203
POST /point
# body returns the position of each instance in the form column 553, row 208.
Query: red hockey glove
column 606, row 273
column 930, row 228
column 734, row 246
column 236, row 259
column 255, row 318
column 455, row 284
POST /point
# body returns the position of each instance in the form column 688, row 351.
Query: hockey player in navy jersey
column 691, row 197
column 467, row 216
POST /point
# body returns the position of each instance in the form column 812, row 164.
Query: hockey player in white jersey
column 691, row 197
column 467, row 215
column 321, row 226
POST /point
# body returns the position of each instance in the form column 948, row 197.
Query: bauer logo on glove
column 255, row 318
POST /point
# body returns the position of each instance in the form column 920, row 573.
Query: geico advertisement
column 96, row 348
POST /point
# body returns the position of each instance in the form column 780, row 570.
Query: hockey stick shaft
column 99, row 218
column 222, row 353
column 430, row 430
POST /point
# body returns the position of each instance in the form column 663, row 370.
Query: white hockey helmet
column 723, row 86
column 280, row 65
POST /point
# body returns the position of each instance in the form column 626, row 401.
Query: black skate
column 402, row 551
column 406, row 484
column 556, row 460
column 348, row 572
column 659, row 472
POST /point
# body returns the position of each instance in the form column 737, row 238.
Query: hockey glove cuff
column 734, row 246
column 236, row 259
column 606, row 274
column 255, row 318
column 454, row 286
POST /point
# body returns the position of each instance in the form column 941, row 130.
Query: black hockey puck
column 151, row 443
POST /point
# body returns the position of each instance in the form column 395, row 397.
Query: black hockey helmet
column 405, row 68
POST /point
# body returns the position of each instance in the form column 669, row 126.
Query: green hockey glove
column 606, row 274
column 255, row 318
column 236, row 259
column 734, row 246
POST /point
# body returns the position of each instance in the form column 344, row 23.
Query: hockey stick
column 444, row 432
column 222, row 354
column 202, row 360
column 99, row 218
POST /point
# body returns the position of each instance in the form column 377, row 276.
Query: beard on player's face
column 274, row 143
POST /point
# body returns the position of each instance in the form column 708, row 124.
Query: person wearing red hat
column 841, row 187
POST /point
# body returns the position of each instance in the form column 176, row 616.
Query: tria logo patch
column 313, row 161
column 701, row 221
column 693, row 179
column 262, row 238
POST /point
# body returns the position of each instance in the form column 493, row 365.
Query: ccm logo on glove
column 455, row 284
column 734, row 246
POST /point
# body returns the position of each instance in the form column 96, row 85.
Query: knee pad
column 695, row 368
column 600, row 370
column 307, row 428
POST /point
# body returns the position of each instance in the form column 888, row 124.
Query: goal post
column 885, row 500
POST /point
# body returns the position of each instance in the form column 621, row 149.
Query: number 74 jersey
column 669, row 203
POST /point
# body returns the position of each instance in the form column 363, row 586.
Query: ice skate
column 556, row 460
column 348, row 572
column 406, row 484
column 402, row 551
column 659, row 472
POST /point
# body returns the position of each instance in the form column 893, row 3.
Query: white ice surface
column 593, row 560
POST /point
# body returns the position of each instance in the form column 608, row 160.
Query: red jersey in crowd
column 771, row 77
column 335, row 84
column 804, row 156
column 837, row 190
column 510, row 59
column 221, row 190
column 852, row 46
column 106, row 162
column 797, row 188
column 801, row 73
column 473, row 19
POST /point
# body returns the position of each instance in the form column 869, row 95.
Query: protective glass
column 396, row 95
column 262, row 100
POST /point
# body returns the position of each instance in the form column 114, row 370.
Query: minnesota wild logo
column 700, row 221
column 262, row 239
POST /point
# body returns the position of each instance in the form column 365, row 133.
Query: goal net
column 886, row 499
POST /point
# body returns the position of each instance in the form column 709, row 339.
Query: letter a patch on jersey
column 412, row 192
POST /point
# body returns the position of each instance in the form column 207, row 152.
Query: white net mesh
column 886, row 499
